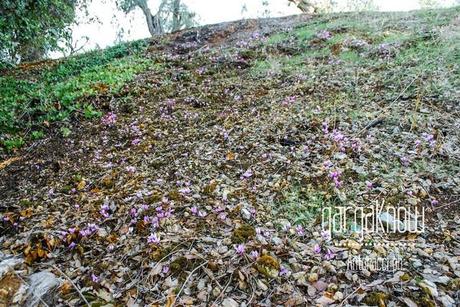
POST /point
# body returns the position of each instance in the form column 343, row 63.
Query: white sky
column 104, row 33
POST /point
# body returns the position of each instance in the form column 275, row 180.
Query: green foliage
column 56, row 91
column 29, row 29
column 13, row 143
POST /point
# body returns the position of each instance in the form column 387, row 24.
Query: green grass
column 55, row 92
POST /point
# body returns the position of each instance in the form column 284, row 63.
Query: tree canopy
column 31, row 28
column 172, row 15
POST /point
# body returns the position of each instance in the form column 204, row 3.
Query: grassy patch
column 53, row 93
column 302, row 206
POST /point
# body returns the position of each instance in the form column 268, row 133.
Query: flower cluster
column 89, row 230
column 335, row 176
column 109, row 119
column 105, row 210
column 324, row 35
column 153, row 239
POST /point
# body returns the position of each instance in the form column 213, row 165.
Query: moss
column 243, row 233
column 108, row 181
column 155, row 197
column 376, row 299
column 426, row 301
column 454, row 284
column 405, row 277
column 174, row 195
column 268, row 266
column 179, row 264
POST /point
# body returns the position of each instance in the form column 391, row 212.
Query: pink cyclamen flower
column 109, row 119
column 317, row 249
column 131, row 169
column 326, row 235
column 300, row 231
column 254, row 255
column 95, row 278
column 329, row 255
column 136, row 142
column 247, row 174
column 369, row 185
column 240, row 249
column 153, row 239
column 323, row 34
column 194, row 210
column 133, row 212
column 284, row 271
column 287, row 227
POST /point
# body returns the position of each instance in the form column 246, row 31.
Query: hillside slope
column 193, row 169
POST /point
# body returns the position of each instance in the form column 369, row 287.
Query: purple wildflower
column 326, row 235
column 105, row 210
column 369, row 185
column 153, row 239
column 325, row 127
column 95, row 278
column 284, row 271
column 405, row 161
column 133, row 212
column 335, row 176
column 247, row 174
column 254, row 255
column 136, row 141
column 324, row 35
column 72, row 245
column 329, row 255
column 434, row 202
column 287, row 227
column 194, row 210
column 300, row 230
column 131, row 169
column 240, row 249
column 317, row 249
column 109, row 119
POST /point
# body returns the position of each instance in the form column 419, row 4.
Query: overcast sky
column 104, row 33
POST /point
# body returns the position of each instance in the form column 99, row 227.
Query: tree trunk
column 153, row 21
column 176, row 16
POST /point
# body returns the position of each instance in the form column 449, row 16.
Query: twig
column 386, row 108
column 223, row 291
column 29, row 286
column 72, row 283
column 349, row 295
column 186, row 281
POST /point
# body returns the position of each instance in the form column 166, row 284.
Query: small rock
column 324, row 301
column 320, row 285
column 300, row 278
column 429, row 288
column 338, row 296
column 41, row 287
column 388, row 220
column 245, row 214
column 353, row 244
column 229, row 302
column 312, row 277
column 261, row 285
column 447, row 301
column 277, row 241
